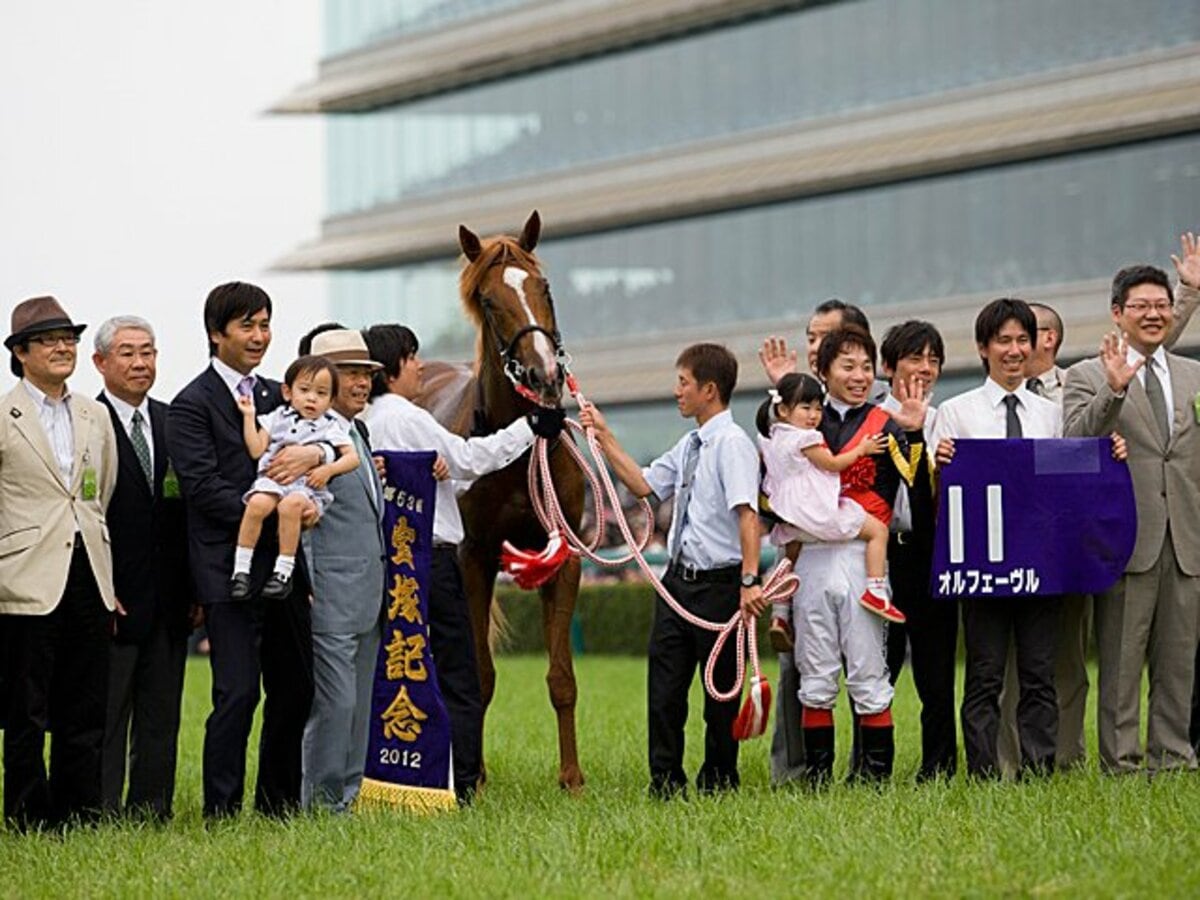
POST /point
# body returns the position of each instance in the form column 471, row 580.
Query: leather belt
column 690, row 574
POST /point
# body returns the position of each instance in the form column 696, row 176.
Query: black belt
column 688, row 573
column 444, row 545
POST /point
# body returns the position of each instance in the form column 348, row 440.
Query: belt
column 444, row 545
column 689, row 573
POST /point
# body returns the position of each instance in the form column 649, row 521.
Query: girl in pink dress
column 803, row 487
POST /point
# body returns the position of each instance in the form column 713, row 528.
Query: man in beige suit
column 1150, row 396
column 58, row 468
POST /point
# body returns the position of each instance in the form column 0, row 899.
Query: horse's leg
column 558, row 606
column 479, row 578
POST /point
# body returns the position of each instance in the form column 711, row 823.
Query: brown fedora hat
column 343, row 347
column 36, row 315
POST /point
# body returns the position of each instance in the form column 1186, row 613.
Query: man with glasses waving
column 1153, row 398
column 58, row 468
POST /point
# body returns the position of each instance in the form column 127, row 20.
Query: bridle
column 516, row 371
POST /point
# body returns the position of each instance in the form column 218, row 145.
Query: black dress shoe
column 277, row 587
column 239, row 586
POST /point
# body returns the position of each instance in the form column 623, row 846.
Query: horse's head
column 507, row 296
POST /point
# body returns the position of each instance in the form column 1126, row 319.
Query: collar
column 231, row 376
column 125, row 411
column 340, row 419
column 995, row 394
column 1052, row 377
column 40, row 399
column 1159, row 356
column 840, row 407
column 714, row 426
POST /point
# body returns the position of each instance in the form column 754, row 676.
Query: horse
column 520, row 362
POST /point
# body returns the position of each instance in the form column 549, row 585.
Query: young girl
column 310, row 384
column 804, row 490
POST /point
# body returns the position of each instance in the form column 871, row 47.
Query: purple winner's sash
column 408, row 760
column 1029, row 517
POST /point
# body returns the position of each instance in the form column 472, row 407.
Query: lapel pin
column 15, row 413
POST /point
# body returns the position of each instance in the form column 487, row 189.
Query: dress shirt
column 55, row 416
column 397, row 423
column 726, row 477
column 125, row 414
column 231, row 376
column 1164, row 377
column 980, row 413
column 1052, row 384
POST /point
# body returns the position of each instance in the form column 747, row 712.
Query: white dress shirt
column 1164, row 377
column 981, row 413
column 726, row 477
column 231, row 376
column 125, row 414
column 397, row 423
column 1051, row 382
column 55, row 416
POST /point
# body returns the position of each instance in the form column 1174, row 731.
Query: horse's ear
column 469, row 241
column 531, row 232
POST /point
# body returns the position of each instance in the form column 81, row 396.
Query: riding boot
column 878, row 752
column 818, row 755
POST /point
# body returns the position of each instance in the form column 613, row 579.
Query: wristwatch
column 751, row 580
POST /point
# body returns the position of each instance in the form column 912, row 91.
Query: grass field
column 1081, row 834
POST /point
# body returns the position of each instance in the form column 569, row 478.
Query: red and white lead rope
column 531, row 569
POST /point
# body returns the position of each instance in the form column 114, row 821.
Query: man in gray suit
column 1150, row 396
column 345, row 556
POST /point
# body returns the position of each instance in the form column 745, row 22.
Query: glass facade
column 1034, row 223
column 791, row 67
column 353, row 24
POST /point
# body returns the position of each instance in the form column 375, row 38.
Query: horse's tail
column 499, row 632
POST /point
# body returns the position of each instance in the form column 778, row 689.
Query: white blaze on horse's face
column 515, row 279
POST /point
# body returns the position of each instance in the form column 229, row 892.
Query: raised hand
column 777, row 360
column 914, row 404
column 1187, row 264
column 1114, row 353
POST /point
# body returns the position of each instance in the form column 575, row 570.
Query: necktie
column 1034, row 386
column 683, row 496
column 137, row 437
column 1012, row 425
column 364, row 458
column 245, row 387
column 1158, row 401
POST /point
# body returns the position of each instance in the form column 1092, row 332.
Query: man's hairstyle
column 993, row 316
column 1056, row 322
column 305, row 346
column 312, row 365
column 103, row 342
column 851, row 314
column 390, row 346
column 1131, row 276
column 848, row 337
column 235, row 300
column 793, row 389
column 711, row 363
column 910, row 339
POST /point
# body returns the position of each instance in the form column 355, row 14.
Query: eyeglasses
column 1139, row 307
column 53, row 340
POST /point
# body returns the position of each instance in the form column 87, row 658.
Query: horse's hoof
column 571, row 780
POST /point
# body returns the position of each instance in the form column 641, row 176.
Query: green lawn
column 1069, row 836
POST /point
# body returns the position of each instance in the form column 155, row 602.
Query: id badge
column 89, row 483
column 170, row 484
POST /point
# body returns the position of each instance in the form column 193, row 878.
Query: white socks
column 241, row 560
column 879, row 587
column 284, row 566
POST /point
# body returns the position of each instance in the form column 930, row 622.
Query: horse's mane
column 499, row 250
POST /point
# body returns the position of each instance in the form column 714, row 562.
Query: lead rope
column 779, row 586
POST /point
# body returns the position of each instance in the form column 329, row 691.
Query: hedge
column 610, row 618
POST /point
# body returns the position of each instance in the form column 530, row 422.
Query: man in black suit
column 248, row 638
column 149, row 549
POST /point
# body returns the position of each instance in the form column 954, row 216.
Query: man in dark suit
column 249, row 639
column 149, row 548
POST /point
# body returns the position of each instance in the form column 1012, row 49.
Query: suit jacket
column 1166, row 477
column 149, row 537
column 39, row 512
column 206, row 444
column 345, row 553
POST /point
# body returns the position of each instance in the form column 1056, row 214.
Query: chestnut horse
column 519, row 362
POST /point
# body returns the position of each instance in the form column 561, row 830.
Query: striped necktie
column 683, row 496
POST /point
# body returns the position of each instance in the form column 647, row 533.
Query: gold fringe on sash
column 906, row 467
column 381, row 794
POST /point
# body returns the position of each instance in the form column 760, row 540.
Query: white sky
column 137, row 169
